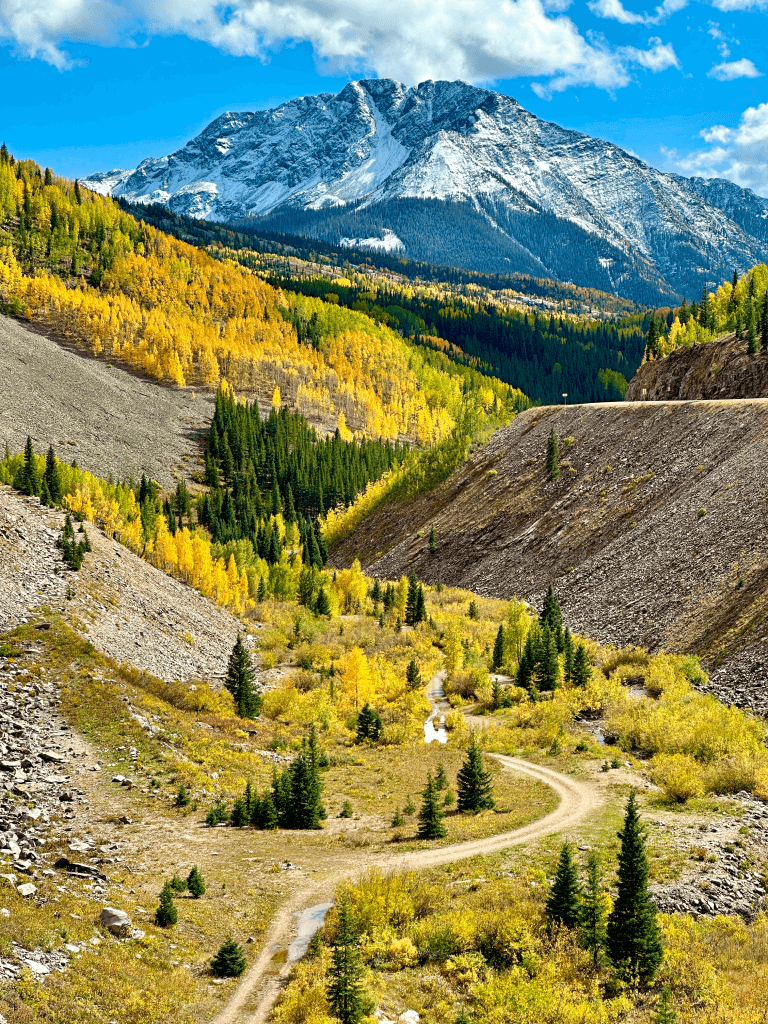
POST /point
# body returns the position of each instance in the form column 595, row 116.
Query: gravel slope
column 121, row 424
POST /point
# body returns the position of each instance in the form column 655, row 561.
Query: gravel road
column 120, row 423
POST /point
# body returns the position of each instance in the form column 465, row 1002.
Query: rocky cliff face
column 719, row 369
column 452, row 173
column 654, row 533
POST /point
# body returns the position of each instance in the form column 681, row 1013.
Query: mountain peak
column 372, row 160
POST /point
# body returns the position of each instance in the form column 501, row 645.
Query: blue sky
column 94, row 84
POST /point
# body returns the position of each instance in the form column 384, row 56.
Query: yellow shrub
column 679, row 775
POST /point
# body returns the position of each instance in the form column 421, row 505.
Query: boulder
column 117, row 922
column 28, row 889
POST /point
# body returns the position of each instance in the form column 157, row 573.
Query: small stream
column 434, row 727
column 595, row 727
column 309, row 922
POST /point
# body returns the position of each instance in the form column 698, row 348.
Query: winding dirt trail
column 578, row 799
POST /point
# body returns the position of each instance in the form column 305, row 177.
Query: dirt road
column 260, row 987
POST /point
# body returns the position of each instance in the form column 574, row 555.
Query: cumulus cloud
column 727, row 72
column 474, row 40
column 740, row 154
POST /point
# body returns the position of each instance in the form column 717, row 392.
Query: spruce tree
column 582, row 670
column 30, row 478
column 53, row 477
column 364, row 723
column 261, row 593
column 441, row 779
column 229, row 961
column 430, row 816
column 412, row 675
column 552, row 616
column 411, row 599
column 568, row 655
column 195, row 883
column 633, row 936
column 664, row 1012
column 497, row 659
column 166, row 914
column 239, row 681
column 239, row 817
column 323, row 603
column 593, row 910
column 345, row 990
column 527, row 667
column 549, row 669
column 472, row 612
column 475, row 791
column 563, row 904
column 553, row 457
column 751, row 332
column 420, row 613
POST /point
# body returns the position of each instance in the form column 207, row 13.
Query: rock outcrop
column 719, row 369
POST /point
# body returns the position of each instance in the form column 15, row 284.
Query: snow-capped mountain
column 451, row 173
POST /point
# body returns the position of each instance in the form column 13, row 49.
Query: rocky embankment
column 126, row 608
column 719, row 369
column 653, row 533
column 725, row 866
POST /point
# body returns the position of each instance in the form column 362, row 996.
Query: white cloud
column 740, row 153
column 720, row 38
column 473, row 40
column 740, row 5
column 616, row 11
column 743, row 68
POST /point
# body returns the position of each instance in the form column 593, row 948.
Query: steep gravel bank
column 120, row 423
column 124, row 606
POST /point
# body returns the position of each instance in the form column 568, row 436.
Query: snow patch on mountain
column 389, row 243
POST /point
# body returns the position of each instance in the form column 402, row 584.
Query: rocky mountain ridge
column 452, row 173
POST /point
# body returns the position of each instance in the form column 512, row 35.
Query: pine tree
column 261, row 593
column 166, row 914
column 549, row 669
column 195, row 883
column 345, row 990
column 239, row 817
column 633, row 937
column 582, row 670
column 412, row 675
column 30, row 478
column 568, row 655
column 178, row 884
column 474, row 781
column 430, row 816
column 441, row 779
column 553, row 457
column 563, row 904
column 420, row 613
column 229, row 961
column 182, row 797
column 527, row 667
column 364, row 723
column 269, row 817
column 239, row 681
column 53, row 478
column 497, row 660
column 664, row 1012
column 552, row 616
column 652, row 341
column 593, row 910
column 472, row 610
column 410, row 601
column 323, row 603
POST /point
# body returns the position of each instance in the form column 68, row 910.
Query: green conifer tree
column 229, row 961
column 166, row 914
column 563, row 906
column 474, row 787
column 751, row 332
column 472, row 610
column 497, row 659
column 53, row 477
column 411, row 599
column 240, row 681
column 412, row 675
column 30, row 478
column 345, row 990
column 664, row 1012
column 553, row 456
column 548, row 675
column 364, row 723
column 441, row 779
column 420, row 612
column 582, row 670
column 195, row 883
column 430, row 816
column 593, row 910
column 633, row 936
column 182, row 797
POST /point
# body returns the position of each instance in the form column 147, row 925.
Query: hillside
column 653, row 534
column 110, row 420
column 717, row 369
column 450, row 173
